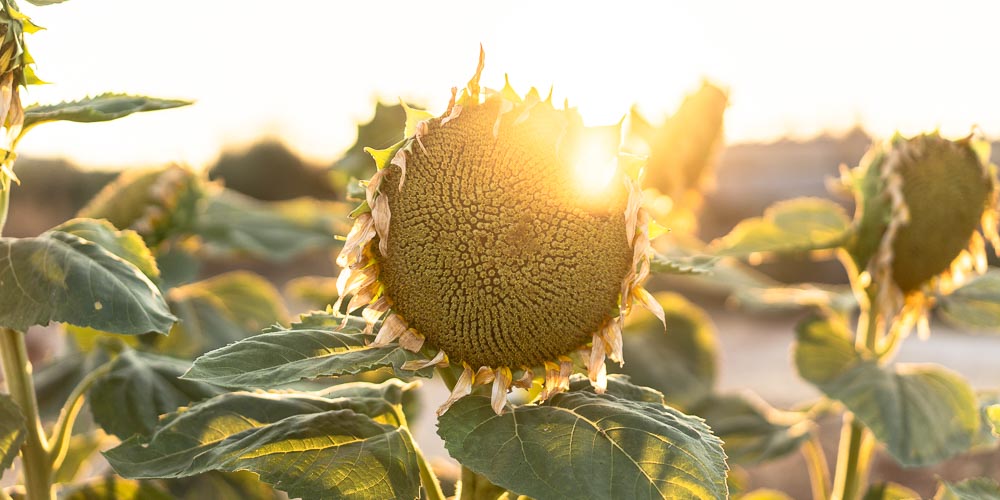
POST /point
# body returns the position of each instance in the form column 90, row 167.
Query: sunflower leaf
column 923, row 413
column 139, row 388
column 698, row 264
column 609, row 447
column 102, row 108
column 282, row 356
column 797, row 225
column 114, row 488
column 12, row 431
column 126, row 244
column 890, row 491
column 354, row 444
column 976, row 305
column 61, row 277
column 753, row 431
column 979, row 488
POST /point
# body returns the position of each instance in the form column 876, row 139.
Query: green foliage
column 609, row 446
column 923, row 413
column 890, row 491
column 61, row 277
column 970, row 489
column 139, row 388
column 12, row 431
column 976, row 305
column 765, row 494
column 101, row 108
column 700, row 264
column 993, row 413
column 384, row 130
column 282, row 356
column 235, row 223
column 679, row 362
column 355, row 443
column 126, row 244
column 82, row 447
column 798, row 225
column 114, row 488
column 220, row 310
column 752, row 431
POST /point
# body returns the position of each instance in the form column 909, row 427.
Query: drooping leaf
column 583, row 445
column 353, row 446
column 976, row 305
column 779, row 299
column 101, row 108
column 753, row 431
column 679, row 360
column 890, row 491
column 157, row 203
column 283, row 356
column 923, row 413
column 701, row 264
column 797, row 225
column 61, row 277
column 114, row 488
column 139, row 388
column 219, row 311
column 980, row 488
column 12, row 431
column 126, row 244
column 235, row 223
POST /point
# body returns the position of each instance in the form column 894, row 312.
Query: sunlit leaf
column 102, row 108
column 384, row 130
column 114, row 488
column 682, row 265
column 139, row 388
column 797, row 225
column 235, row 223
column 753, row 431
column 980, row 488
column 12, row 431
column 283, row 356
column 993, row 413
column 353, row 446
column 679, row 360
column 976, row 305
column 923, row 413
column 606, row 447
column 61, row 277
column 219, row 311
column 126, row 244
column 779, row 299
column 890, row 491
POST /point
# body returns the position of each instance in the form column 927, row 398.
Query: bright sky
column 307, row 71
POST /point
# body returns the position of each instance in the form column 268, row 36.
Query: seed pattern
column 493, row 255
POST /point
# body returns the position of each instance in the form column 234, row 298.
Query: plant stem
column 35, row 451
column 819, row 471
column 63, row 430
column 4, row 199
column 432, row 486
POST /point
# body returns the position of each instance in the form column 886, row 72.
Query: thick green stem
column 63, row 430
column 4, row 200
column 35, row 451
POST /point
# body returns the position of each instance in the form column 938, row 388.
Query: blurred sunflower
column 480, row 240
column 924, row 205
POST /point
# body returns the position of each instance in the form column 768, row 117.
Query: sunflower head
column 921, row 202
column 479, row 241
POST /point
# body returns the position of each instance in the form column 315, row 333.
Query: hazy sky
column 307, row 71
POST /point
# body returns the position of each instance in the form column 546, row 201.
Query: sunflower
column 477, row 245
column 924, row 205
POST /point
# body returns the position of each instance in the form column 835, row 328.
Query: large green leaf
column 976, row 305
column 583, row 445
column 753, row 431
column 102, row 108
column 309, row 445
column 923, row 413
column 113, row 488
column 139, row 388
column 61, row 277
column 126, row 244
column 680, row 362
column 219, row 311
column 797, row 225
column 12, row 431
column 697, row 264
column 980, row 488
column 283, row 356
column 235, row 223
